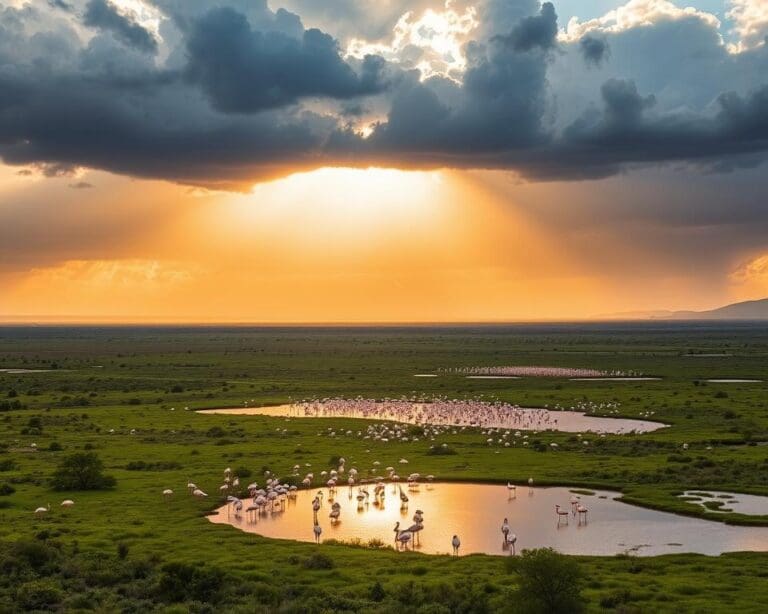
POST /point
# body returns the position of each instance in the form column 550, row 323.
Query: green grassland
column 114, row 550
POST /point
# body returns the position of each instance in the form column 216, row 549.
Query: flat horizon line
column 9, row 321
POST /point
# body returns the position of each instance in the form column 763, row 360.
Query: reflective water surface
column 752, row 505
column 475, row 512
column 615, row 379
column 517, row 418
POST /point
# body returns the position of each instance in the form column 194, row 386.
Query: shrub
column 377, row 592
column 215, row 431
column 441, row 451
column 158, row 466
column 122, row 551
column 55, row 447
column 10, row 405
column 39, row 595
column 6, row 489
column 548, row 582
column 318, row 560
column 81, row 471
column 181, row 582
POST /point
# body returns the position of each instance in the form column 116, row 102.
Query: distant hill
column 746, row 310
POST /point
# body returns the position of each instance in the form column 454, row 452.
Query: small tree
column 548, row 582
column 81, row 471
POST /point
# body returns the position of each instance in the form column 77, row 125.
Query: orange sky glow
column 334, row 245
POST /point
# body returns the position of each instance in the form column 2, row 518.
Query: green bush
column 377, row 592
column 441, row 451
column 182, row 582
column 548, row 582
column 39, row 595
column 81, row 471
column 318, row 560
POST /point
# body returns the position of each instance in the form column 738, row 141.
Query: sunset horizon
column 436, row 161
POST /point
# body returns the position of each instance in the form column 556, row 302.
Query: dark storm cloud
column 248, row 93
column 534, row 31
column 499, row 106
column 624, row 132
column 594, row 49
column 243, row 70
column 105, row 16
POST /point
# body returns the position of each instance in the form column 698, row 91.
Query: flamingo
column 512, row 540
column 560, row 515
column 456, row 542
column 415, row 529
column 317, row 529
column 512, row 489
column 41, row 511
column 199, row 493
column 530, row 486
column 67, row 503
column 505, row 529
column 574, row 504
column 581, row 510
column 167, row 493
column 316, row 505
column 402, row 537
column 403, row 499
column 335, row 512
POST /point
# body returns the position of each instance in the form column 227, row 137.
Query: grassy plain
column 114, row 550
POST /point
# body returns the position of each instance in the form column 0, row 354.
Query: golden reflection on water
column 475, row 512
column 566, row 421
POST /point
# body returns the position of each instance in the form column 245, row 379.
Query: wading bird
column 41, row 511
column 402, row 537
column 456, row 542
column 561, row 514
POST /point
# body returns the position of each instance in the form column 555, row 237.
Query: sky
column 380, row 161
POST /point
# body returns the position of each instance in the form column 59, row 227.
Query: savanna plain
column 118, row 404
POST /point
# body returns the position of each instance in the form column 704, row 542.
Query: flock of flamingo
column 529, row 371
column 272, row 500
column 436, row 412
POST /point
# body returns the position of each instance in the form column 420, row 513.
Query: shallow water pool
column 459, row 416
column 475, row 513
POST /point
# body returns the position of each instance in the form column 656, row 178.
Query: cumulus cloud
column 245, row 70
column 635, row 14
column 224, row 93
column 750, row 19
column 106, row 16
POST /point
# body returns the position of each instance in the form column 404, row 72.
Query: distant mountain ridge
column 745, row 310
